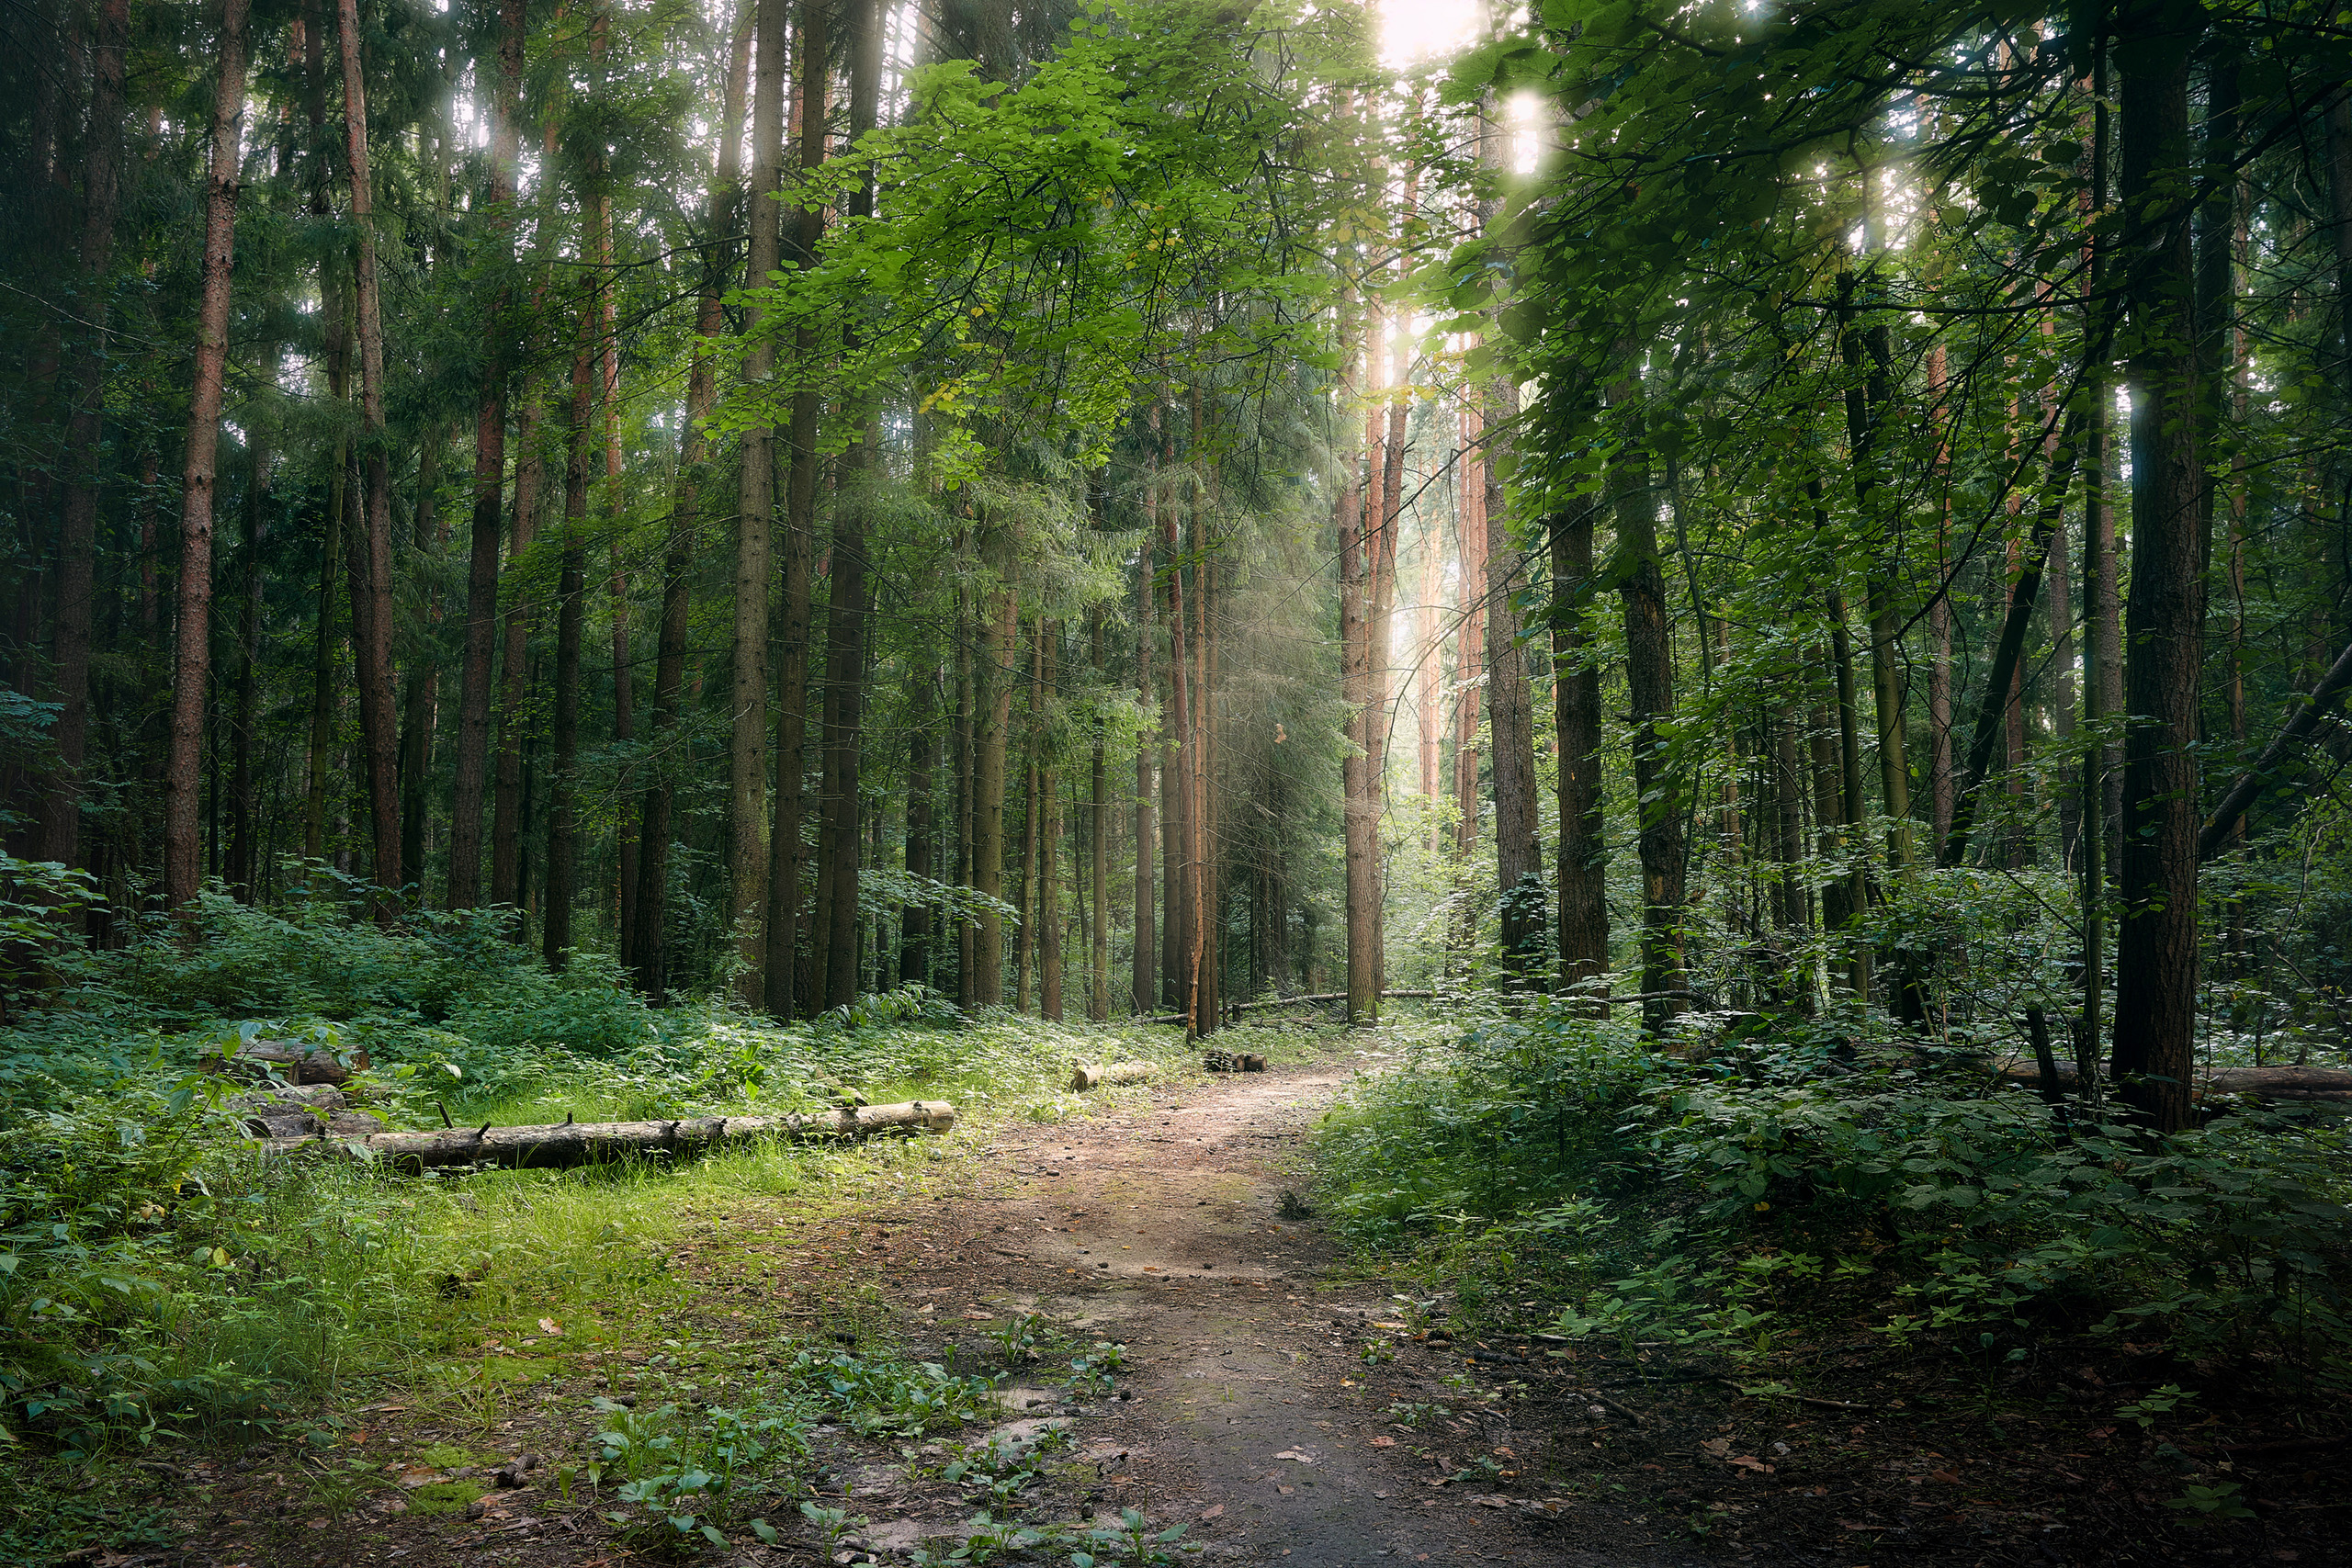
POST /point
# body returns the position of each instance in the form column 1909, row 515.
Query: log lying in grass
column 586, row 1142
column 1233, row 1062
column 2321, row 1086
column 1089, row 1076
column 259, row 1058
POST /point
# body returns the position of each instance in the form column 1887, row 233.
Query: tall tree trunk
column 625, row 832
column 509, row 823
column 1143, row 994
column 850, row 609
column 2102, row 628
column 917, row 921
column 421, row 684
column 61, row 810
column 1519, row 854
column 1470, row 636
column 571, row 590
column 650, row 963
column 371, row 595
column 244, row 803
column 1025, row 946
column 1649, row 680
column 193, row 660
column 1360, row 804
column 994, row 695
column 503, row 107
column 1098, row 836
column 747, row 759
column 963, row 747
column 1577, row 716
column 1049, row 880
column 799, row 568
column 1851, row 806
column 1939, row 755
column 2156, row 969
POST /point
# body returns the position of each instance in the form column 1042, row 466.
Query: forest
column 1742, row 605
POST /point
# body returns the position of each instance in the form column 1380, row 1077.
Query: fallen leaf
column 1749, row 1462
column 1286, row 1491
column 548, row 1325
column 1383, row 1442
column 1295, row 1457
column 1720, row 1448
column 1213, row 1511
column 1946, row 1476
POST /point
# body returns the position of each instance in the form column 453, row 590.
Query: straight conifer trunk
column 1359, row 805
column 183, row 865
column 1518, row 855
column 1144, row 991
column 244, row 795
column 84, row 458
column 371, row 588
column 992, row 682
column 505, row 110
column 564, row 826
column 1049, row 880
column 421, row 683
column 1098, row 834
column 1026, row 947
column 755, row 512
column 917, row 921
column 1576, row 696
column 649, row 960
column 2156, row 957
column 1649, row 680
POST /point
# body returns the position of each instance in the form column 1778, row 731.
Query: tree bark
column 371, row 595
column 1026, row 944
column 1577, row 716
column 1519, row 854
column 421, row 684
column 1097, row 835
column 61, row 809
column 650, row 960
column 747, row 748
column 993, row 695
column 1049, row 875
column 503, row 107
column 562, row 881
column 244, row 795
column 193, row 660
column 1144, row 996
column 2156, row 958
column 918, row 921
column 1649, row 680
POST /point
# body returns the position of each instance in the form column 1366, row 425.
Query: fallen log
column 259, row 1058
column 587, row 1142
column 1231, row 1062
column 1088, row 1077
column 2322, row 1086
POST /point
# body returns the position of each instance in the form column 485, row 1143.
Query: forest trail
column 1248, row 1411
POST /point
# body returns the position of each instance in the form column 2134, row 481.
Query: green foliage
column 1786, row 1163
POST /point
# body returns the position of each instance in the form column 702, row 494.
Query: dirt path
column 1254, row 1416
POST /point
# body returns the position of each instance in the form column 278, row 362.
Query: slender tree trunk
column 563, row 827
column 649, row 960
column 747, row 759
column 963, row 747
column 1940, row 752
column 1470, row 636
column 509, row 826
column 244, row 804
column 1026, row 945
column 993, row 682
column 1360, row 803
column 800, row 567
column 193, row 661
column 1649, row 680
column 503, row 107
column 2156, row 957
column 1519, row 854
column 917, row 921
column 1850, row 793
column 2102, row 629
column 1144, row 996
column 61, row 811
column 421, row 684
column 1577, row 716
column 323, row 701
column 371, row 619
column 1097, row 835
column 1049, row 880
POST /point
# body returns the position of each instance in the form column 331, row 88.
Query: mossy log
column 1088, row 1077
column 588, row 1143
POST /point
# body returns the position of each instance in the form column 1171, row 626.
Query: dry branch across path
column 588, row 1143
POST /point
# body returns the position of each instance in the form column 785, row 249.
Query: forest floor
column 1275, row 1403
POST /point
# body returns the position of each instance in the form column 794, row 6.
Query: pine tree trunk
column 963, row 747
column 1470, row 634
column 371, row 598
column 1360, row 811
column 1649, row 680
column 1026, row 944
column 1144, row 991
column 1939, row 755
column 1518, row 856
column 323, row 697
column 1184, row 807
column 1098, row 836
column 993, row 701
column 244, row 804
column 747, row 760
column 2156, row 956
column 193, row 660
column 509, row 825
column 917, row 921
column 563, row 827
column 1577, row 716
column 83, row 457
column 503, row 107
column 421, row 684
column 1049, row 881
column 785, row 997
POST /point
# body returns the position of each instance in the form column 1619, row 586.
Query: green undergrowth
column 162, row 1281
column 1536, row 1170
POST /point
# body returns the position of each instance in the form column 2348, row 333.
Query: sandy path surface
column 1251, row 1413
